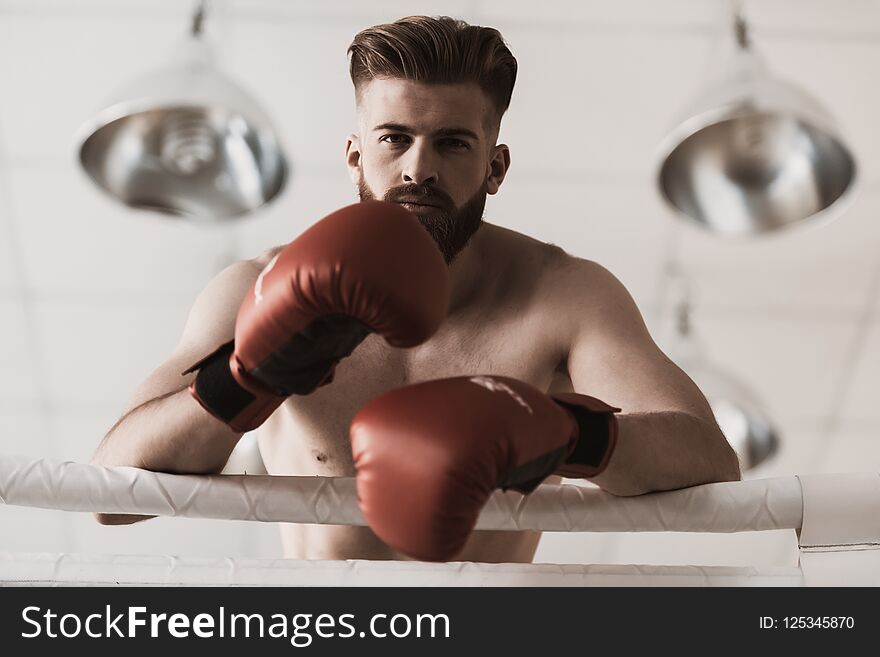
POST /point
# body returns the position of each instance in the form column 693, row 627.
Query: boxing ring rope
column 831, row 513
column 724, row 507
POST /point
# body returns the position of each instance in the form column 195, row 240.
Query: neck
column 467, row 271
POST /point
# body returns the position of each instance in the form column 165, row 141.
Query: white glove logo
column 494, row 385
column 258, row 286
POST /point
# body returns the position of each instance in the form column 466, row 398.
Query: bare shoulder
column 211, row 319
column 511, row 238
column 585, row 297
column 558, row 274
column 587, row 278
column 596, row 307
column 533, row 258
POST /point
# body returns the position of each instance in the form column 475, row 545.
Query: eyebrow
column 442, row 132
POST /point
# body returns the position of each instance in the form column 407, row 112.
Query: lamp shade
column 185, row 140
column 754, row 154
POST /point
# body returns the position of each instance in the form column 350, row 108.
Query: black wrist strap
column 595, row 435
column 216, row 387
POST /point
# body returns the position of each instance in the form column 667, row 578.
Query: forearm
column 168, row 434
column 666, row 451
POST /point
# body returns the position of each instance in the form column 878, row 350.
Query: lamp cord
column 198, row 18
column 740, row 27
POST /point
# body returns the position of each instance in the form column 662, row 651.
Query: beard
column 451, row 227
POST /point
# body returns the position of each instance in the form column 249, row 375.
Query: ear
column 497, row 168
column 353, row 158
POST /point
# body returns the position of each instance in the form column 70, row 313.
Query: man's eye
column 394, row 139
column 454, row 143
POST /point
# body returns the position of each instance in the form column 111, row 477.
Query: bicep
column 613, row 357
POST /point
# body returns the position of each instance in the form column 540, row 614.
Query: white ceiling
column 93, row 295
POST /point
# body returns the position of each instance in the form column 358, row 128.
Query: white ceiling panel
column 8, row 276
column 308, row 198
column 793, row 367
column 824, row 268
column 78, row 430
column 581, row 101
column 74, row 240
column 299, row 72
column 799, row 442
column 22, row 365
column 100, row 8
column 852, row 452
column 99, row 352
column 346, row 10
column 600, row 14
column 60, row 70
column 814, row 17
column 862, row 400
column 25, row 431
column 9, row 282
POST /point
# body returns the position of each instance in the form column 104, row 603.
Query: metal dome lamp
column 186, row 141
column 754, row 154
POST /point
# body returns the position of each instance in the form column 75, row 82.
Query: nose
column 419, row 166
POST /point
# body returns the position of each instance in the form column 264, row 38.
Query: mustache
column 423, row 194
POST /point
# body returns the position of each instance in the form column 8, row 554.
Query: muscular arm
column 668, row 435
column 163, row 428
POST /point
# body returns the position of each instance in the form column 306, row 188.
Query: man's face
column 430, row 148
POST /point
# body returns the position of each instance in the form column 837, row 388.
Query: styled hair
column 436, row 50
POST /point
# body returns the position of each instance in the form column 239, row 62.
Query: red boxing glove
column 367, row 267
column 428, row 456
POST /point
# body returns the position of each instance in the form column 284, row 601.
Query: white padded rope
column 86, row 570
column 762, row 504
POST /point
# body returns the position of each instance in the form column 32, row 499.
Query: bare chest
column 309, row 435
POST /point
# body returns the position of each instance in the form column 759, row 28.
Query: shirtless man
column 430, row 97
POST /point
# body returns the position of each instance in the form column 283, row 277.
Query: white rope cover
column 763, row 504
column 85, row 570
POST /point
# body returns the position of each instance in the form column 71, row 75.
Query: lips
column 414, row 206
